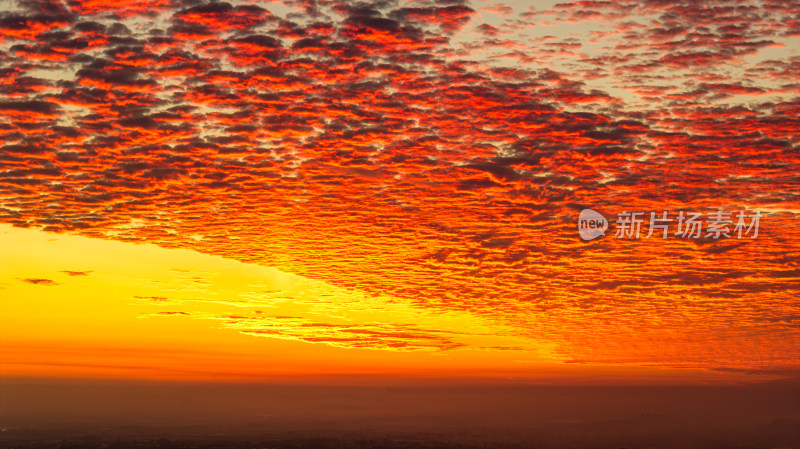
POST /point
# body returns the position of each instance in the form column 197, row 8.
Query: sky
column 325, row 189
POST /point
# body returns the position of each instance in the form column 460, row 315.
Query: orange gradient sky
column 225, row 320
column 324, row 190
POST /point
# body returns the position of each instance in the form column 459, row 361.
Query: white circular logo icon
column 591, row 224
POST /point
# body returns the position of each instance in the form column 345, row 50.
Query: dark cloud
column 77, row 273
column 41, row 281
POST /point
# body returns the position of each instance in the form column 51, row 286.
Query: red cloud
column 222, row 16
column 449, row 18
column 119, row 8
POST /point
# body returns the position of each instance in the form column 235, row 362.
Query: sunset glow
column 321, row 190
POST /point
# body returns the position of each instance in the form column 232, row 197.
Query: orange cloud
column 360, row 146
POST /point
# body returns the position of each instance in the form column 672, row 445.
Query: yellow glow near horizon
column 135, row 313
column 80, row 307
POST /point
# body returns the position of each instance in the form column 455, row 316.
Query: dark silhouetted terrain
column 83, row 414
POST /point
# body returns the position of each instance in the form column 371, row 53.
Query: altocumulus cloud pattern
column 434, row 152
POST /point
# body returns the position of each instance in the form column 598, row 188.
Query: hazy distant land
column 83, row 414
